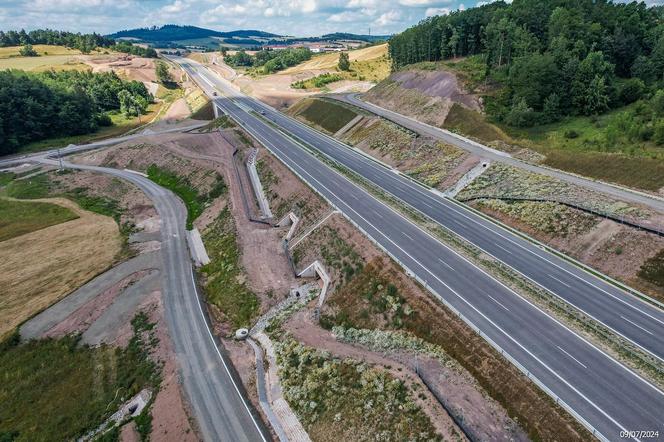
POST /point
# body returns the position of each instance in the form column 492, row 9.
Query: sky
column 285, row 17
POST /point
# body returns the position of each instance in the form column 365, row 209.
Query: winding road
column 222, row 413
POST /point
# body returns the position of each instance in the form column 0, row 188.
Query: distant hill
column 175, row 33
column 359, row 37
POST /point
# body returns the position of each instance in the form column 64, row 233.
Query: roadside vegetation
column 224, row 282
column 57, row 389
column 20, row 217
column 328, row 115
column 182, row 187
column 348, row 400
column 318, row 81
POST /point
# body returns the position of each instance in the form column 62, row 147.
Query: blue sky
column 286, row 17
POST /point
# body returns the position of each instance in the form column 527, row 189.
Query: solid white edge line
column 443, row 283
column 575, row 359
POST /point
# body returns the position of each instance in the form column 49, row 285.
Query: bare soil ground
column 41, row 267
column 127, row 66
column 426, row 95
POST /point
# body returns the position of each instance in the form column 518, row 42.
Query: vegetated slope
column 330, row 116
column 331, row 59
column 550, row 71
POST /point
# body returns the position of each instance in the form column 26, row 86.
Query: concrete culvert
column 241, row 333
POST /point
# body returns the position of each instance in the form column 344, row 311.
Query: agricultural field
column 41, row 267
column 331, row 59
column 20, row 217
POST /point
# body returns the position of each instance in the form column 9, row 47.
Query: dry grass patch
column 331, row 59
column 40, row 268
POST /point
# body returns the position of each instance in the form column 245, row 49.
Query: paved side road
column 486, row 152
column 220, row 409
column 20, row 159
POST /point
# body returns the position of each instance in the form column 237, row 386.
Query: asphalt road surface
column 71, row 149
column 606, row 395
column 493, row 155
column 626, row 315
column 222, row 413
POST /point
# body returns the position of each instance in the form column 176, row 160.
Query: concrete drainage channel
column 282, row 418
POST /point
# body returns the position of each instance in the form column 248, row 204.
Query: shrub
column 571, row 134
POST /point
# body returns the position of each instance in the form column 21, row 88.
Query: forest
column 552, row 58
column 270, row 60
column 35, row 106
column 83, row 42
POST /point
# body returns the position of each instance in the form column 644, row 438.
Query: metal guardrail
column 595, row 212
column 497, row 347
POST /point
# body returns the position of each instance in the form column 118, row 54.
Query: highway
column 221, row 412
column 482, row 151
column 626, row 315
column 604, row 394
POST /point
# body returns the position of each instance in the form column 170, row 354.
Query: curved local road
column 220, row 409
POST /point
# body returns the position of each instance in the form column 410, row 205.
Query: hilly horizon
column 194, row 35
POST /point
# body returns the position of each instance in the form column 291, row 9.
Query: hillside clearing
column 43, row 63
column 41, row 267
column 331, row 59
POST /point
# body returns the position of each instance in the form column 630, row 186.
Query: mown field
column 21, row 217
column 50, row 57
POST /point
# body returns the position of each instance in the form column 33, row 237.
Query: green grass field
column 43, row 63
column 36, row 187
column 225, row 284
column 193, row 200
column 330, row 116
column 55, row 389
column 21, row 217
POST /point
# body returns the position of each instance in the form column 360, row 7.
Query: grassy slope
column 225, row 285
column 331, row 59
column 330, row 116
column 19, row 217
column 57, row 390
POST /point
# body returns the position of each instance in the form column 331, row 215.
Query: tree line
column 270, row 60
column 83, row 42
column 35, row 106
column 554, row 57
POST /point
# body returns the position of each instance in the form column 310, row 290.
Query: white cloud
column 430, row 12
column 387, row 18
